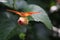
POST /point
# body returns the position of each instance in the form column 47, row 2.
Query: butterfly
column 23, row 19
column 23, row 14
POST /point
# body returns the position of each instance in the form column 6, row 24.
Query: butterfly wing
column 16, row 12
column 24, row 14
column 33, row 13
column 30, row 13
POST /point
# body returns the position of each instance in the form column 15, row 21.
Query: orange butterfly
column 23, row 14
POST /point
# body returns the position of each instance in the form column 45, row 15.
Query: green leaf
column 9, row 26
column 8, row 21
column 16, row 4
column 52, row 2
column 22, row 36
column 42, row 16
column 43, row 3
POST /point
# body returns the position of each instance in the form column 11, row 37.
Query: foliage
column 8, row 20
